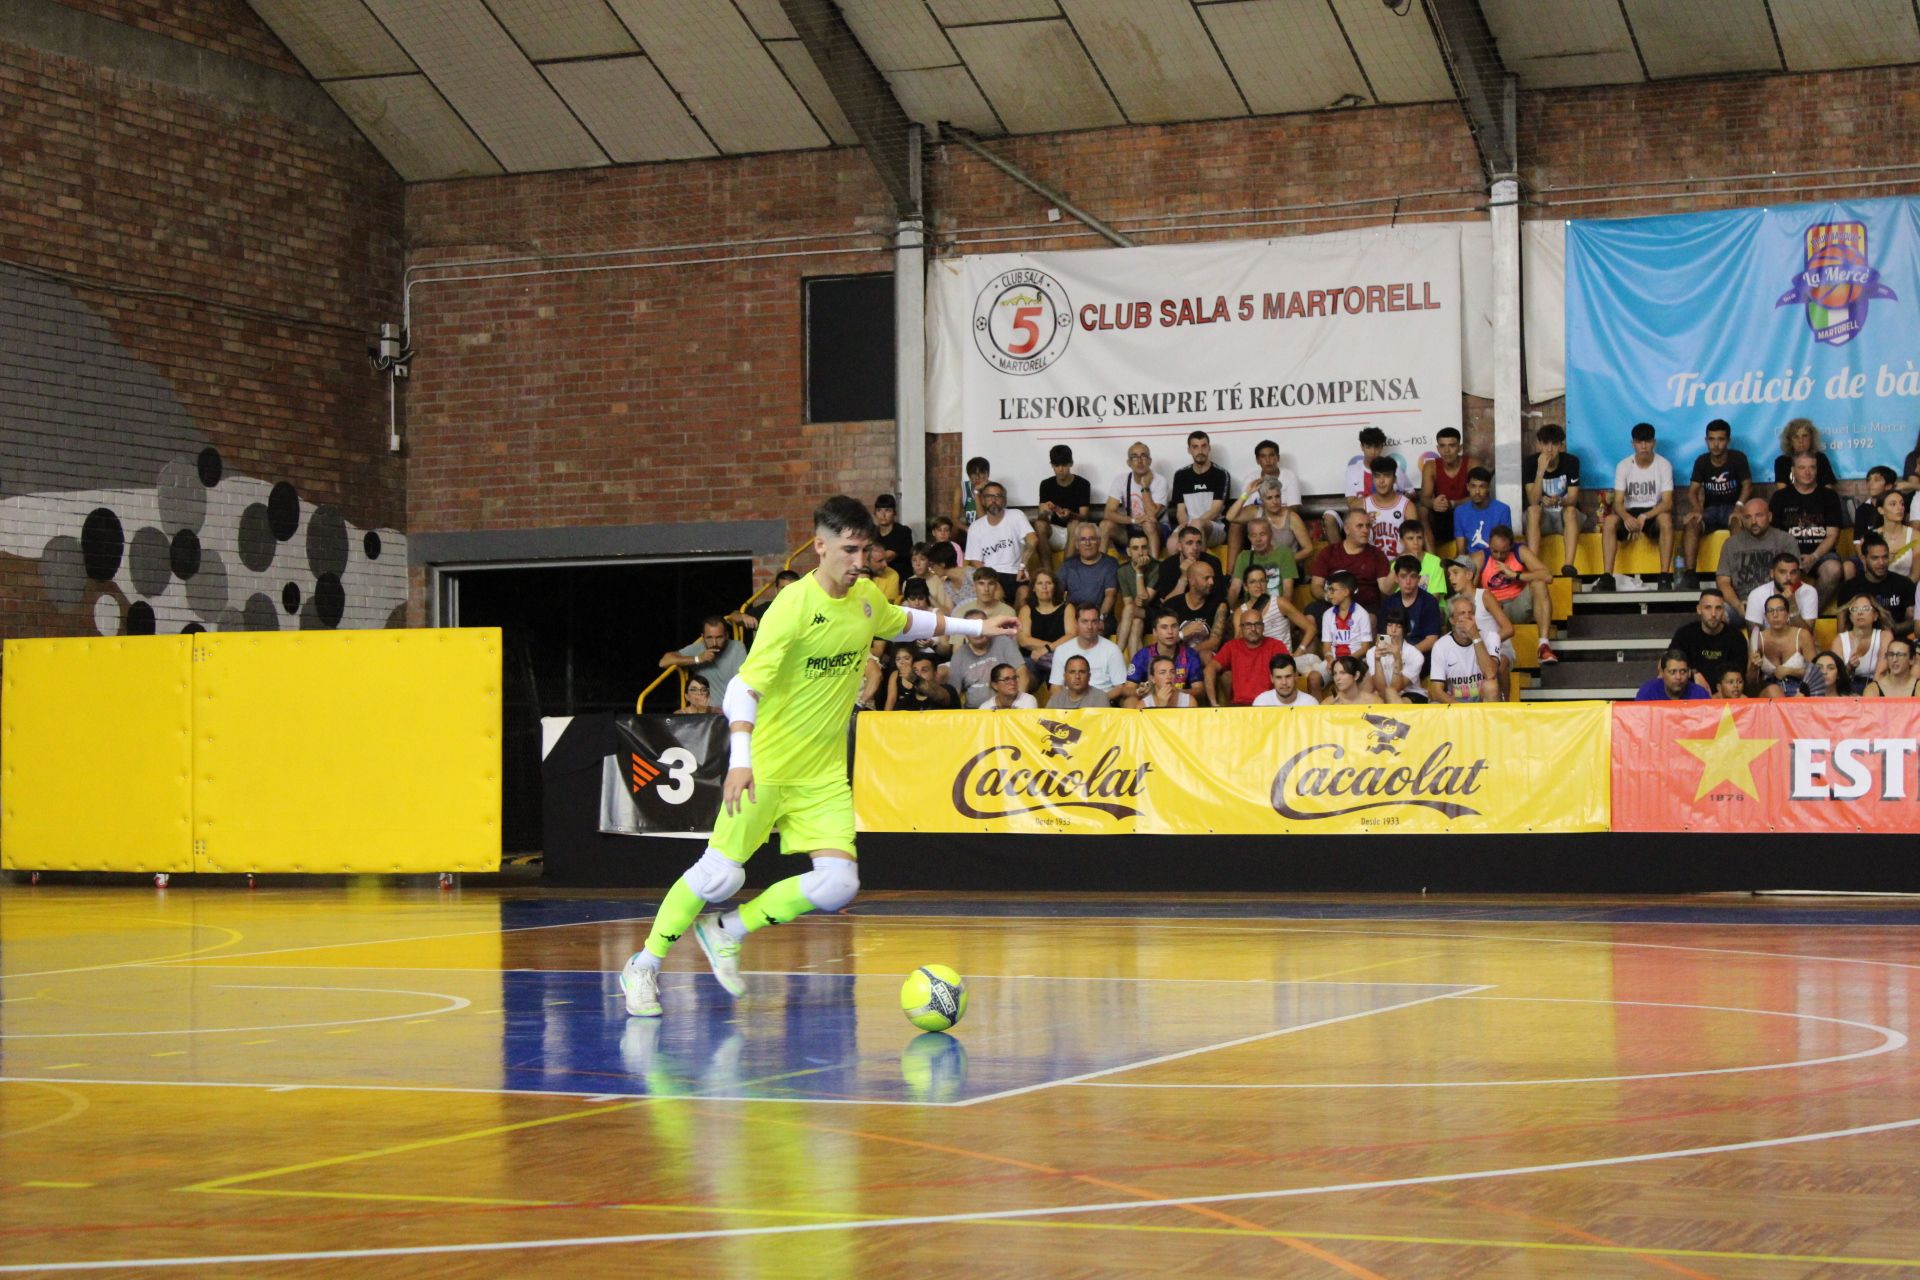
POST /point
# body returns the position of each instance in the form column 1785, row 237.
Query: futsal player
column 787, row 711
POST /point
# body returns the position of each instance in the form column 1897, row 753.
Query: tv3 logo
column 676, row 765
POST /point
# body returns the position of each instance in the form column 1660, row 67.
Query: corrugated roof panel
column 1703, row 40
column 768, row 20
column 798, row 64
column 631, row 110
column 943, row 93
column 413, row 127
column 1037, row 76
column 563, row 28
column 334, row 38
column 958, row 12
column 1822, row 35
column 1287, row 55
column 899, row 35
column 1398, row 53
column 1157, row 59
column 1570, row 42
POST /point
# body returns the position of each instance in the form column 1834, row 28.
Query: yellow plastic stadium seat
column 1526, row 645
column 1844, row 547
column 1637, row 556
column 1824, row 631
column 1560, row 598
column 1710, row 552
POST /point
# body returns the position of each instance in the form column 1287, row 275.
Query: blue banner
column 1757, row 316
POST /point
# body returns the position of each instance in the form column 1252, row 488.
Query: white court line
column 987, row 1215
column 1210, row 1048
column 1890, row 1040
column 458, row 1003
column 573, row 1095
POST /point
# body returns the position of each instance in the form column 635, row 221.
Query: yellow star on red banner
column 1726, row 756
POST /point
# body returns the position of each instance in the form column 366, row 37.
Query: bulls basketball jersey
column 1385, row 523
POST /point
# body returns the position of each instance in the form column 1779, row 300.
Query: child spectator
column 1346, row 629
column 979, row 472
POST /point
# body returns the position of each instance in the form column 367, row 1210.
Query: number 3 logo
column 677, row 786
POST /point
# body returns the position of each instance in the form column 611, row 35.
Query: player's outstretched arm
column 924, row 624
column 741, row 705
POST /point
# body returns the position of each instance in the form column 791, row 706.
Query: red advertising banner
column 1792, row 764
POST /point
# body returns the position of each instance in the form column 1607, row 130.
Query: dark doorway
column 579, row 639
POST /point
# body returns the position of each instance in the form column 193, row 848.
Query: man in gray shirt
column 1746, row 558
column 970, row 670
column 1076, row 690
column 716, row 655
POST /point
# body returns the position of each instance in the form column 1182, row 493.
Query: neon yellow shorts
column 810, row 817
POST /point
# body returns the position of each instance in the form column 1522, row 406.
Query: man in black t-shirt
column 1066, row 500
column 1810, row 512
column 1893, row 592
column 1201, row 491
column 1721, row 481
column 1712, row 646
column 896, row 540
column 1550, row 486
column 1201, row 608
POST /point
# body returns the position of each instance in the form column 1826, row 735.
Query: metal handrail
column 739, row 633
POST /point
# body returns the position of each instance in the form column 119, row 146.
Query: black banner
column 672, row 768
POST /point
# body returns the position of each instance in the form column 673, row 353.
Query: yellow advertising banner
column 1237, row 771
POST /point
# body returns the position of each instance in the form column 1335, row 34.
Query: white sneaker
column 640, row 983
column 1631, row 582
column 723, row 953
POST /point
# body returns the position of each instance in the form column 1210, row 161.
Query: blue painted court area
column 1735, row 909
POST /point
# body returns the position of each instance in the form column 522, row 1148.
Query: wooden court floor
column 371, row 1081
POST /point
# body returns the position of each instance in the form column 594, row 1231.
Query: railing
column 739, row 633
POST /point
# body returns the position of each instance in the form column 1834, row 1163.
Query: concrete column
column 910, row 372
column 1508, row 412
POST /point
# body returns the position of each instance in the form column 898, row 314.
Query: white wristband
column 741, row 754
column 966, row 626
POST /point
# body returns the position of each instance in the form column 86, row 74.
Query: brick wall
column 186, row 291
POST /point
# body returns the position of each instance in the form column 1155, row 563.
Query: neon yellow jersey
column 808, row 659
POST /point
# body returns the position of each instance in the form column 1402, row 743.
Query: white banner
column 1303, row 340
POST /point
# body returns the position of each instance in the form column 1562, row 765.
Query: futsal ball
column 933, row 997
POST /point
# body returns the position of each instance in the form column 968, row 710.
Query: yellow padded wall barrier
column 347, row 751
column 96, row 754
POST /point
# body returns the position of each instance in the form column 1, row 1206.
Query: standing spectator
column 1043, row 624
column 967, row 498
column 1356, row 556
column 1713, row 645
column 1106, row 665
column 1359, row 483
column 1674, row 683
column 969, row 672
column 1804, row 602
column 881, row 573
column 1243, row 661
column 1863, row 645
column 1551, row 482
column 1732, row 686
column 989, row 595
column 1721, row 483
column 1164, row 688
column 1393, row 664
column 1136, row 502
column 1076, row 690
column 1782, row 652
column 1281, row 569
column 1066, row 502
column 1460, row 669
column 896, row 540
column 1900, row 679
column 1416, row 605
column 1201, row 610
column 1136, row 592
column 1346, row 629
column 1090, row 575
column 1286, row 690
column 1007, row 694
column 699, row 699
column 1797, row 437
column 748, row 619
column 1829, row 677
column 1642, row 495
column 1000, row 540
column 1481, row 514
column 1443, row 483
column 1350, row 688
column 1166, row 644
column 1387, row 510
column 1810, row 513
column 1747, row 556
column 1893, row 592
column 1433, row 573
column 715, row 655
column 1490, row 621
column 1518, row 579
column 1201, row 490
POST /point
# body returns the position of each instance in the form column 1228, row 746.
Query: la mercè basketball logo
column 1837, row 283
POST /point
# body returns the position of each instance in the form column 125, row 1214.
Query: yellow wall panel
column 96, row 755
column 348, row 751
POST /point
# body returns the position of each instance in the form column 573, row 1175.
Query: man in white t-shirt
column 1785, row 582
column 1000, row 540
column 1136, row 503
column 1394, row 664
column 1373, row 444
column 1106, row 665
column 1459, row 668
column 1286, row 691
column 1642, row 500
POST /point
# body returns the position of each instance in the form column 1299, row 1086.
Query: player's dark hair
column 1481, row 474
column 1447, row 433
column 1373, row 437
column 845, row 516
column 1060, row 456
column 1642, row 431
column 1551, row 433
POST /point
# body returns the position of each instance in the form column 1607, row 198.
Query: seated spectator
column 880, row 574
column 1518, row 579
column 1278, row 563
column 979, row 473
column 1866, row 513
column 1828, row 677
column 1797, row 437
column 1481, row 514
column 1136, row 503
column 950, row 585
column 1171, row 577
column 699, row 699
column 1746, row 558
column 988, row 587
column 1188, row 666
column 1349, row 684
column 1202, row 489
column 1286, row 691
column 1272, row 493
column 1388, row 511
column 1732, row 686
column 1043, row 624
column 715, row 655
column 1721, row 484
column 1201, row 610
column 1001, row 539
column 1281, row 621
column 748, row 619
column 1675, row 683
column 1897, row 532
column 1136, row 578
column 1394, row 664
column 1066, row 502
column 1460, row 669
column 1863, row 645
column 1785, row 582
column 1550, row 480
column 1713, row 645
column 1090, row 575
column 1782, row 653
column 1416, row 605
column 969, row 671
column 896, row 540
column 1243, row 662
column 1641, row 501
column 1357, row 557
column 1164, row 688
column 1373, row 444
column 1490, row 621
column 1267, row 503
column 1106, row 665
column 1346, row 629
column 940, row 529
column 1007, row 693
column 1810, row 513
column 1443, row 483
column 1900, row 679
column 1076, row 690
column 916, row 688
column 1433, row 573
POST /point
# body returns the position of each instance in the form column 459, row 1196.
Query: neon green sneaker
column 723, row 953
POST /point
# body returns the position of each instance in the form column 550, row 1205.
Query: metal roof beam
column 864, row 96
column 1487, row 89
